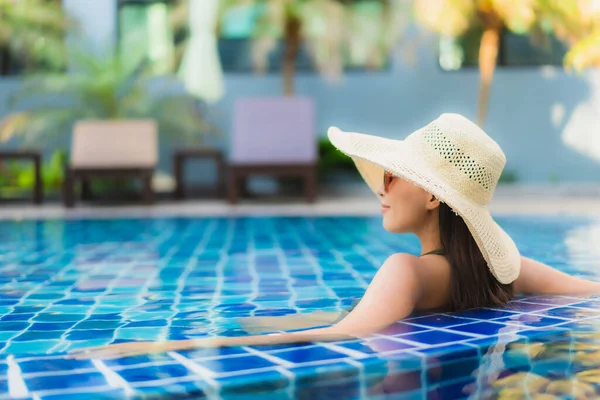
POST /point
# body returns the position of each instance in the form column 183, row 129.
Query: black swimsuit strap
column 439, row 252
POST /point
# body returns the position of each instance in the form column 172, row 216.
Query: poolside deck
column 572, row 199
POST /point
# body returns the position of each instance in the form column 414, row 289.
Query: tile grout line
column 181, row 279
column 361, row 376
column 67, row 391
column 24, row 297
column 340, row 349
column 269, row 357
column 149, row 280
column 254, row 281
column 64, row 344
column 112, row 378
column 197, row 369
column 16, row 383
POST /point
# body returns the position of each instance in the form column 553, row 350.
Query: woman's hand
column 131, row 349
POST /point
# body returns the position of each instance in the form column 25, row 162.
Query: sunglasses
column 387, row 180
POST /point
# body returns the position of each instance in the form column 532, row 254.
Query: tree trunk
column 5, row 62
column 292, row 44
column 488, row 58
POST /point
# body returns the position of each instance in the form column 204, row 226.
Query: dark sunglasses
column 387, row 180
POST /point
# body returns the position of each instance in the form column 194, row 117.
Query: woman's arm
column 391, row 296
column 539, row 278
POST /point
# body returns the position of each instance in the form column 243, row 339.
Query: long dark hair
column 472, row 283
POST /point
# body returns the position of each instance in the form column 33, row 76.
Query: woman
column 436, row 184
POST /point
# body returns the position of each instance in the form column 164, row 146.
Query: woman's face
column 405, row 206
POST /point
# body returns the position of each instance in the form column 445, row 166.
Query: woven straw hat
column 454, row 160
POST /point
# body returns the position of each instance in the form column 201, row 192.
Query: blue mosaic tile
column 595, row 305
column 253, row 384
column 213, row 353
column 451, row 352
column 435, row 337
column 145, row 324
column 138, row 333
column 486, row 328
column 309, row 354
column 569, row 312
column 484, row 314
column 38, row 335
column 154, row 358
column 457, row 390
column 237, row 363
column 106, row 393
column 13, row 326
column 30, row 347
column 395, row 383
column 186, row 389
column 282, row 346
column 91, row 334
column 52, row 364
column 340, row 382
column 16, row 317
column 530, row 320
column 454, row 370
column 553, row 300
column 97, row 324
column 62, row 327
column 65, row 382
column 297, row 271
column 439, row 321
column 545, row 332
column 154, row 373
column 400, row 328
column 319, row 374
column 379, row 345
column 526, row 307
column 7, row 335
column 58, row 317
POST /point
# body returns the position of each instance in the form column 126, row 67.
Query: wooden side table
column 182, row 155
column 36, row 158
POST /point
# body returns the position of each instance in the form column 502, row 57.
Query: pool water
column 71, row 284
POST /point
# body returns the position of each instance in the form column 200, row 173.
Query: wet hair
column 472, row 283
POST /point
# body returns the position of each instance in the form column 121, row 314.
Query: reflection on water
column 552, row 366
column 92, row 283
column 562, row 363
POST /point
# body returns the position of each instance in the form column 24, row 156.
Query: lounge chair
column 274, row 136
column 112, row 149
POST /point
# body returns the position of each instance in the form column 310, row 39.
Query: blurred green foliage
column 32, row 33
column 18, row 176
column 508, row 176
column 331, row 160
column 102, row 87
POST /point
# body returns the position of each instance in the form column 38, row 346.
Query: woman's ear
column 432, row 203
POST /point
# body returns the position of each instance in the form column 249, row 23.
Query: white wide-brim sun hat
column 454, row 160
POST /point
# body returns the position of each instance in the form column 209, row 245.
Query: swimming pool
column 68, row 284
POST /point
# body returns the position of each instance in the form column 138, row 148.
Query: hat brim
column 373, row 155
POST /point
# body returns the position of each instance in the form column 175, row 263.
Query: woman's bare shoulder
column 427, row 269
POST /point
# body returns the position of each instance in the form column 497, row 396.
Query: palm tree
column 102, row 88
column 32, row 32
column 453, row 18
column 335, row 32
column 576, row 22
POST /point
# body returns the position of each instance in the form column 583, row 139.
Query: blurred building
column 544, row 119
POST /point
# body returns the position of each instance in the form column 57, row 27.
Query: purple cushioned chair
column 273, row 136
